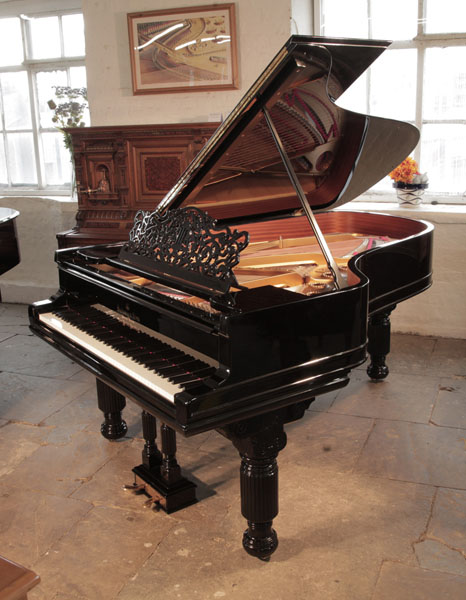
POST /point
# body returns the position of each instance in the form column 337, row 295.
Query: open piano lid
column 336, row 154
column 286, row 146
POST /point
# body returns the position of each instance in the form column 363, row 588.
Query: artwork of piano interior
column 244, row 295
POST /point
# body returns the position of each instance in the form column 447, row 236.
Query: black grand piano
column 244, row 295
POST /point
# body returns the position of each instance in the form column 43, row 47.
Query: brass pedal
column 135, row 487
column 153, row 502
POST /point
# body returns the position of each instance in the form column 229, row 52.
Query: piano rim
column 267, row 400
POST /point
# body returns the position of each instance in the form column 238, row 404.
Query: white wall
column 263, row 26
column 35, row 278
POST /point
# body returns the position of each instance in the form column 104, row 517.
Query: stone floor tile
column 106, row 486
column 33, row 399
column 410, row 354
column 83, row 375
column 31, row 522
column 436, row 556
column 399, row 397
column 32, row 356
column 342, row 528
column 4, row 335
column 449, row 358
column 18, row 442
column 61, row 469
column 448, row 522
column 450, row 405
column 415, row 452
column 326, row 440
column 11, row 330
column 106, row 548
column 13, row 314
column 403, row 582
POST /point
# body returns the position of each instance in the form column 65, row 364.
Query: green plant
column 69, row 113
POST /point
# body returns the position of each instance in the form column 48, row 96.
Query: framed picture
column 183, row 49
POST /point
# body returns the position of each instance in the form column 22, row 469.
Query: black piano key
column 169, row 370
column 141, row 356
column 192, row 376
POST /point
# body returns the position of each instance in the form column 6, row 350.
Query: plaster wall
column 262, row 27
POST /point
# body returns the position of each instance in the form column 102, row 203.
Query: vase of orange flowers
column 409, row 183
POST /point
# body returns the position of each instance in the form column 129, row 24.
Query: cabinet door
column 156, row 167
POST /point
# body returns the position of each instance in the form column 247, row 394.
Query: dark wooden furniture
column 15, row 580
column 233, row 305
column 122, row 169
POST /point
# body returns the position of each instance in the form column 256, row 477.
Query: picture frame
column 189, row 49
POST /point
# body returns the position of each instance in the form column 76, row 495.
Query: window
column 420, row 79
column 37, row 52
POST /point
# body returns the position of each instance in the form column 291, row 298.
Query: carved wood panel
column 122, row 169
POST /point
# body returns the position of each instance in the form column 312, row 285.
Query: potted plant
column 69, row 113
column 409, row 182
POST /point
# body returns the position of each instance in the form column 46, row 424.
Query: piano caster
column 377, row 370
column 111, row 403
column 379, row 344
column 260, row 540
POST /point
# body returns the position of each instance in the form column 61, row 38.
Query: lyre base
column 171, row 496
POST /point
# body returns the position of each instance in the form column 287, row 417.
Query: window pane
column 445, row 16
column 386, row 22
column 393, row 85
column 57, row 160
column 443, row 157
column 3, row 171
column 15, row 92
column 445, row 83
column 45, row 80
column 355, row 97
column 11, row 43
column 73, row 35
column 21, row 158
column 78, row 77
column 45, row 37
column 345, row 19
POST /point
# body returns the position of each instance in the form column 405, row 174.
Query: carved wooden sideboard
column 122, row 169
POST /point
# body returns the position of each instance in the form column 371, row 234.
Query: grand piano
column 9, row 249
column 245, row 294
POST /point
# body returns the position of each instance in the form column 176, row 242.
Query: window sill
column 437, row 213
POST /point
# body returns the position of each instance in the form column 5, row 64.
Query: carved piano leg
column 259, row 485
column 111, row 403
column 151, row 455
column 379, row 343
column 161, row 471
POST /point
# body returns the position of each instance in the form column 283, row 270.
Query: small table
column 15, row 580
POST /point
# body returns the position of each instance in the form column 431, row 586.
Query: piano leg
column 259, row 484
column 111, row 403
column 379, row 343
column 151, row 455
column 161, row 472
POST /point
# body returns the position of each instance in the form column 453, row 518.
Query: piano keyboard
column 143, row 354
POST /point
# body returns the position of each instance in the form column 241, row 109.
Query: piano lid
column 336, row 154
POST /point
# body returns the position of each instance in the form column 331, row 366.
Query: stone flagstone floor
column 372, row 489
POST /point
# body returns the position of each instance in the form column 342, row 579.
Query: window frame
column 420, row 43
column 32, row 67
